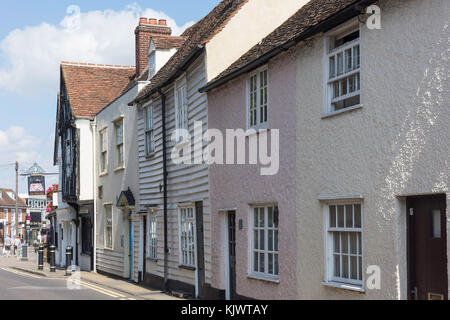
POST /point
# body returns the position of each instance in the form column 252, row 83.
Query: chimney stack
column 144, row 31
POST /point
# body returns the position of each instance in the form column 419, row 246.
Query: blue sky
column 35, row 36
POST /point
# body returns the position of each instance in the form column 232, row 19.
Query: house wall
column 394, row 146
column 240, row 186
column 85, row 180
column 116, row 181
column 255, row 20
column 186, row 183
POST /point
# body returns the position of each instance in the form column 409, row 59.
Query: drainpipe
column 94, row 172
column 166, row 246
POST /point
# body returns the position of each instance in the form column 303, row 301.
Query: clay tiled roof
column 309, row 16
column 196, row 35
column 91, row 87
column 7, row 201
column 168, row 42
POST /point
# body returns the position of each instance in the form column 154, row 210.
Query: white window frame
column 13, row 215
column 190, row 258
column 152, row 236
column 342, row 31
column 151, row 66
column 149, row 130
column 20, row 215
column 107, row 246
column 329, row 234
column 117, row 145
column 103, row 142
column 265, row 229
column 6, row 213
column 260, row 124
column 181, row 112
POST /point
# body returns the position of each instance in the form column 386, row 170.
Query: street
column 17, row 285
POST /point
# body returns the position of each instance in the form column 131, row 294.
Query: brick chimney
column 144, row 31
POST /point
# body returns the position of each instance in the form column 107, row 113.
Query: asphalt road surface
column 16, row 285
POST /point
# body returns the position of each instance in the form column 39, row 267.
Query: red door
column 427, row 247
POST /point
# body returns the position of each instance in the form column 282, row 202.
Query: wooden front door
column 144, row 249
column 427, row 247
column 200, row 249
column 232, row 253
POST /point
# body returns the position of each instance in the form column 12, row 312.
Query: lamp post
column 25, row 244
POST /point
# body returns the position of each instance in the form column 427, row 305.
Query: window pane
column 276, row 241
column 332, row 67
column 345, row 266
column 256, row 240
column 359, row 243
column 349, row 216
column 261, row 262
column 353, row 268
column 277, row 271
column 261, row 217
column 340, row 210
column 270, row 240
column 340, row 64
column 337, row 265
column 360, row 268
column 344, row 242
column 271, row 260
column 348, row 60
column 270, row 217
column 357, row 208
column 357, row 57
column 261, row 240
column 332, row 216
column 436, row 223
column 256, row 215
column 353, row 242
column 255, row 261
column 337, row 243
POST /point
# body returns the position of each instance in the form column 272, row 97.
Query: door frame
column 225, row 215
column 409, row 237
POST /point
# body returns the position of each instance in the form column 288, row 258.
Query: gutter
column 329, row 23
column 166, row 241
column 173, row 75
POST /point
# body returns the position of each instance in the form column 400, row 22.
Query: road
column 16, row 285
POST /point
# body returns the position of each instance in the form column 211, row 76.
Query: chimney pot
column 163, row 22
column 152, row 21
column 143, row 21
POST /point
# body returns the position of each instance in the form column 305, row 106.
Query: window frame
column 103, row 142
column 152, row 236
column 258, row 274
column 117, row 123
column 259, row 125
column 339, row 32
column 106, row 206
column 182, row 262
column 181, row 84
column 149, row 130
column 329, row 243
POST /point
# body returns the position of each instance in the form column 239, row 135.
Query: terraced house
column 359, row 208
column 175, row 197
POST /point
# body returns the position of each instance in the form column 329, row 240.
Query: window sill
column 150, row 156
column 119, row 169
column 262, row 278
column 187, row 268
column 104, row 174
column 344, row 286
column 256, row 131
column 336, row 113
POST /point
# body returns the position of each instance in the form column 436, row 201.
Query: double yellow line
column 104, row 291
column 23, row 274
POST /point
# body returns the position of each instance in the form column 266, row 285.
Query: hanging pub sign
column 36, row 185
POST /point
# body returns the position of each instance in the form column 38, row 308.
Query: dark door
column 427, row 247
column 144, row 258
column 232, row 252
column 200, row 248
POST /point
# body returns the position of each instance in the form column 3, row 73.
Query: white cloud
column 16, row 144
column 31, row 55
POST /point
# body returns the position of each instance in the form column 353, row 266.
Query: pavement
column 110, row 287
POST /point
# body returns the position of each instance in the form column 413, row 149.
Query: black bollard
column 52, row 258
column 69, row 261
column 24, row 252
column 41, row 258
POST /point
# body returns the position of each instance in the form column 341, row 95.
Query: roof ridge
column 95, row 65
